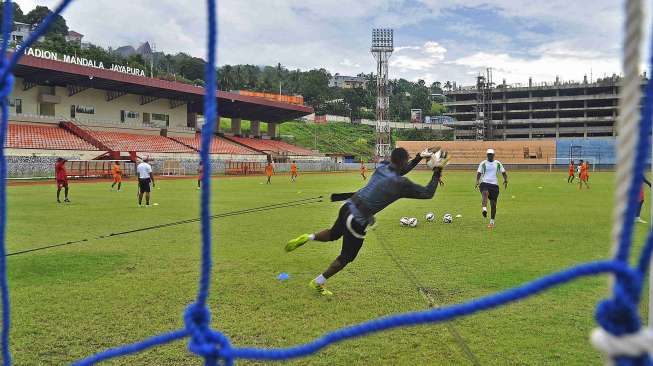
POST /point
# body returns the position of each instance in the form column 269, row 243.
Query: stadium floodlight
column 382, row 40
column 382, row 47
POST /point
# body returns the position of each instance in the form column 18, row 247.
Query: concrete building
column 552, row 110
column 73, row 36
column 20, row 32
column 347, row 82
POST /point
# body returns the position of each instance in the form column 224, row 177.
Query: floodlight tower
column 382, row 47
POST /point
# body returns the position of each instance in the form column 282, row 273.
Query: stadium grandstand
column 80, row 110
column 219, row 145
column 529, row 154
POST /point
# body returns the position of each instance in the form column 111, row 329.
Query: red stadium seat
column 121, row 141
column 218, row 145
column 273, row 146
column 24, row 136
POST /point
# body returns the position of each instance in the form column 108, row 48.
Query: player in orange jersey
column 363, row 170
column 584, row 175
column 269, row 170
column 117, row 175
column 293, row 171
column 572, row 172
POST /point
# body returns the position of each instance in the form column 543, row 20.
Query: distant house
column 20, row 31
column 347, row 82
column 74, row 37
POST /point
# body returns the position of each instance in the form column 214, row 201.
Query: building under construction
column 487, row 111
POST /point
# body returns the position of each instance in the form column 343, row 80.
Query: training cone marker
column 155, row 204
column 283, row 276
column 459, row 216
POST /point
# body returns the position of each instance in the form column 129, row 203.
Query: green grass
column 331, row 138
column 72, row 301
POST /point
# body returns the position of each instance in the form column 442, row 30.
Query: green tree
column 420, row 97
column 437, row 109
column 314, row 86
column 36, row 16
column 17, row 13
column 192, row 68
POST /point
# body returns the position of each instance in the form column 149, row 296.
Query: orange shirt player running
column 584, row 175
column 268, row 172
column 363, row 170
column 572, row 172
column 117, row 175
column 293, row 171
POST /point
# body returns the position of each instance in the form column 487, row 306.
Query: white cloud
column 435, row 50
column 418, row 60
column 348, row 63
column 543, row 68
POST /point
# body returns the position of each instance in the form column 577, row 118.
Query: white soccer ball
column 430, row 216
column 447, row 219
column 404, row 221
column 412, row 222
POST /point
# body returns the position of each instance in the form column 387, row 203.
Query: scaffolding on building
column 484, row 126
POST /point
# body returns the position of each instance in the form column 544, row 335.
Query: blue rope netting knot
column 617, row 315
column 205, row 342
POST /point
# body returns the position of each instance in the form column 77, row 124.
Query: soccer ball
column 430, row 216
column 447, row 219
column 404, row 221
column 412, row 222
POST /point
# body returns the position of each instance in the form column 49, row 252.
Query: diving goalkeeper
column 385, row 186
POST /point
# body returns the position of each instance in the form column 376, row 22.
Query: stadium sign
column 52, row 55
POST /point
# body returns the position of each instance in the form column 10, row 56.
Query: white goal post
column 563, row 163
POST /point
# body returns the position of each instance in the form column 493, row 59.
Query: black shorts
column 350, row 243
column 492, row 190
column 144, row 184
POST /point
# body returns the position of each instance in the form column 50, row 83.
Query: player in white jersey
column 145, row 178
column 488, row 183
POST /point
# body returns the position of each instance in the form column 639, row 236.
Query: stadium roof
column 50, row 72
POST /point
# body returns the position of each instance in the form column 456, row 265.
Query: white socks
column 311, row 237
column 484, row 209
column 320, row 280
column 492, row 221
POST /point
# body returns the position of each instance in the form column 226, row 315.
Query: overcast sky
column 434, row 39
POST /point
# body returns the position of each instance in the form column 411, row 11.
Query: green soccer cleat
column 320, row 289
column 297, row 242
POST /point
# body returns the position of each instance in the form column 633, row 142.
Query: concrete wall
column 104, row 111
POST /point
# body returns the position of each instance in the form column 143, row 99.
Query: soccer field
column 75, row 300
